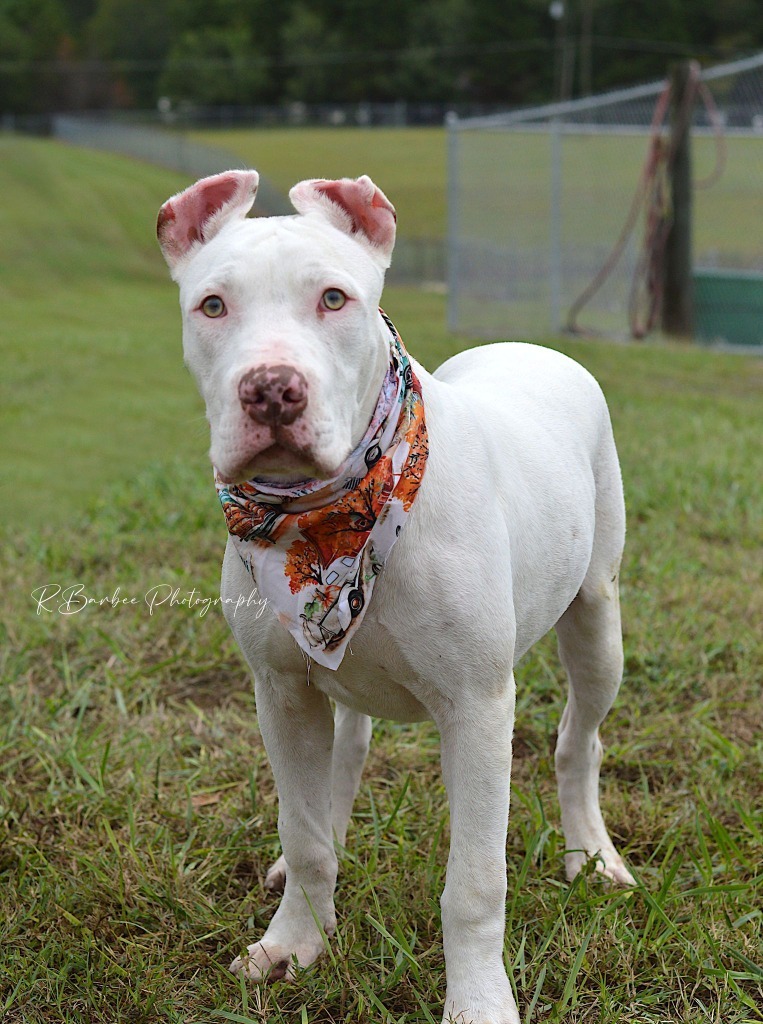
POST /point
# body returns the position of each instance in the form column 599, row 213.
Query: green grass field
column 137, row 810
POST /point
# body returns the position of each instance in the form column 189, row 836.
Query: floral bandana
column 315, row 548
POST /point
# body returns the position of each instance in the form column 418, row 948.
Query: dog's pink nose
column 273, row 394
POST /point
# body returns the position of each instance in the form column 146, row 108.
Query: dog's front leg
column 352, row 734
column 298, row 729
column 476, row 763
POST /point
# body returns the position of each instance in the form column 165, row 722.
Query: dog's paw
column 275, row 879
column 281, row 952
column 507, row 1016
column 275, row 961
column 618, row 873
column 609, row 864
column 488, row 1008
column 265, row 963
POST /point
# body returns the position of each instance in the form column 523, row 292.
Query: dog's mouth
column 279, row 466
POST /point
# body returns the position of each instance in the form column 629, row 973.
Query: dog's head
column 281, row 327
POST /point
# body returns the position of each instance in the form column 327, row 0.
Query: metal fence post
column 453, row 197
column 555, row 226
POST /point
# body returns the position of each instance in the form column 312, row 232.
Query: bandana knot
column 315, row 547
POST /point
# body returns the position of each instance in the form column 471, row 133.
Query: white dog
column 414, row 535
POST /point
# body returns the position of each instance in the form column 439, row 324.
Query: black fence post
column 678, row 289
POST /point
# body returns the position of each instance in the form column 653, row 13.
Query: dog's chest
column 367, row 685
column 374, row 678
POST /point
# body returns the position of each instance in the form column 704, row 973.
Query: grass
column 407, row 164
column 137, row 810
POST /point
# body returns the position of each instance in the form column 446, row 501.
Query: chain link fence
column 538, row 201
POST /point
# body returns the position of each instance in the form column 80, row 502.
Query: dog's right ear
column 194, row 216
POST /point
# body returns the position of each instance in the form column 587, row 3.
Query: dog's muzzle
column 273, row 395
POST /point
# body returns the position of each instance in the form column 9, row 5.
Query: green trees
column 33, row 34
column 214, row 66
column 56, row 54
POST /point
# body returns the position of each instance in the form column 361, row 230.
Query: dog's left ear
column 190, row 218
column 357, row 207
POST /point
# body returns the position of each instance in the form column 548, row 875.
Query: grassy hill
column 92, row 385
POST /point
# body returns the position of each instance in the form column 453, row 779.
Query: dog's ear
column 192, row 217
column 355, row 206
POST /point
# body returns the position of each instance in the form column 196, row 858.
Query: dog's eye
column 213, row 306
column 333, row 298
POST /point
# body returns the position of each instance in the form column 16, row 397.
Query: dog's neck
column 382, row 344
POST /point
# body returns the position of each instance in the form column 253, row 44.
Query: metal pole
column 555, row 227
column 453, row 199
column 678, row 291
column 586, row 48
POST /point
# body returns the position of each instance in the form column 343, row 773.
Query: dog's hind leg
column 591, row 649
column 352, row 734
